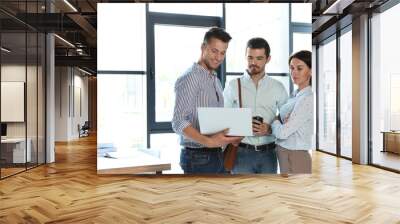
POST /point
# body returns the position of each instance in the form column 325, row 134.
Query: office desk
column 13, row 150
column 135, row 162
column 391, row 141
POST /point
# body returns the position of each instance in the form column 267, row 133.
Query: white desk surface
column 135, row 162
column 13, row 140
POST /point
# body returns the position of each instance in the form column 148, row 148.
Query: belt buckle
column 255, row 148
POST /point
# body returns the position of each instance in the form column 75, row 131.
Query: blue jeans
column 251, row 161
column 202, row 161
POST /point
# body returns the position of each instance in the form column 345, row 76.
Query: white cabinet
column 18, row 149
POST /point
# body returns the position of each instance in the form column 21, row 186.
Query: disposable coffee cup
column 258, row 118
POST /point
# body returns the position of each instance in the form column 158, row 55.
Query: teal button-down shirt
column 264, row 100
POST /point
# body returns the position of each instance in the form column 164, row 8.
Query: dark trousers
column 250, row 161
column 202, row 161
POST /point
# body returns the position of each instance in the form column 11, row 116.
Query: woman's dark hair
column 304, row 56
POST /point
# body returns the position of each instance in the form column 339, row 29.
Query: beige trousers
column 293, row 161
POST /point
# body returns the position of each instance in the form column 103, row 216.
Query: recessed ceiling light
column 86, row 72
column 337, row 7
column 65, row 41
column 70, row 5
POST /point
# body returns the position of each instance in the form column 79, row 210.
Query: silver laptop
column 215, row 119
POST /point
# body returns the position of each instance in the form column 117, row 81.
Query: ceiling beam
column 84, row 24
column 83, row 61
column 337, row 7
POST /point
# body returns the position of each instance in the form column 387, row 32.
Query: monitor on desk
column 3, row 130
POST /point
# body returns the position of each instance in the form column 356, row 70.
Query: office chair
column 84, row 130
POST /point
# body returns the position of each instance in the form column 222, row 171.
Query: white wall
column 62, row 81
column 33, row 126
column 71, row 94
column 79, row 117
column 13, row 73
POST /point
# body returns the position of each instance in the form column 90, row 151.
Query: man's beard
column 256, row 70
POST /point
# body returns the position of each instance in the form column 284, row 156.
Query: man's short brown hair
column 218, row 33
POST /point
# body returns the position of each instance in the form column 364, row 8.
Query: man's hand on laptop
column 220, row 139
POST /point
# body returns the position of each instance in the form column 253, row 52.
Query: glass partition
column 31, row 100
column 327, row 96
column 385, row 89
column 14, row 153
column 22, row 87
column 346, row 94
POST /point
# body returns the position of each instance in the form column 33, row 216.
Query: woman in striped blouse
column 294, row 127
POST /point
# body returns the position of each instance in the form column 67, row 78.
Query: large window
column 301, row 12
column 346, row 93
column 270, row 21
column 327, row 96
column 121, row 47
column 301, row 26
column 272, row 24
column 121, row 80
column 167, row 41
column 121, row 111
column 385, row 88
column 301, row 41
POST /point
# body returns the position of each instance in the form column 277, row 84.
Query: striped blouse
column 197, row 87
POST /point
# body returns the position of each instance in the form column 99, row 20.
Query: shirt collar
column 247, row 76
column 303, row 91
column 198, row 66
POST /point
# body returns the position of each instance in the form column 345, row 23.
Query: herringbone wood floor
column 70, row 191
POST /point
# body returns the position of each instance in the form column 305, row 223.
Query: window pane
column 285, row 80
column 121, row 108
column 346, row 94
column 301, row 12
column 327, row 97
column 209, row 9
column 167, row 68
column 32, row 100
column 13, row 87
column 314, row 89
column 302, row 41
column 41, row 99
column 269, row 21
column 385, row 86
column 121, row 47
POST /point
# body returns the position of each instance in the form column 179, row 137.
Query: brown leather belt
column 204, row 149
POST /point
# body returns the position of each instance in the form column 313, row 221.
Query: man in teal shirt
column 264, row 95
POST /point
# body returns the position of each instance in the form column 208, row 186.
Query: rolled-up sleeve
column 302, row 113
column 185, row 96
